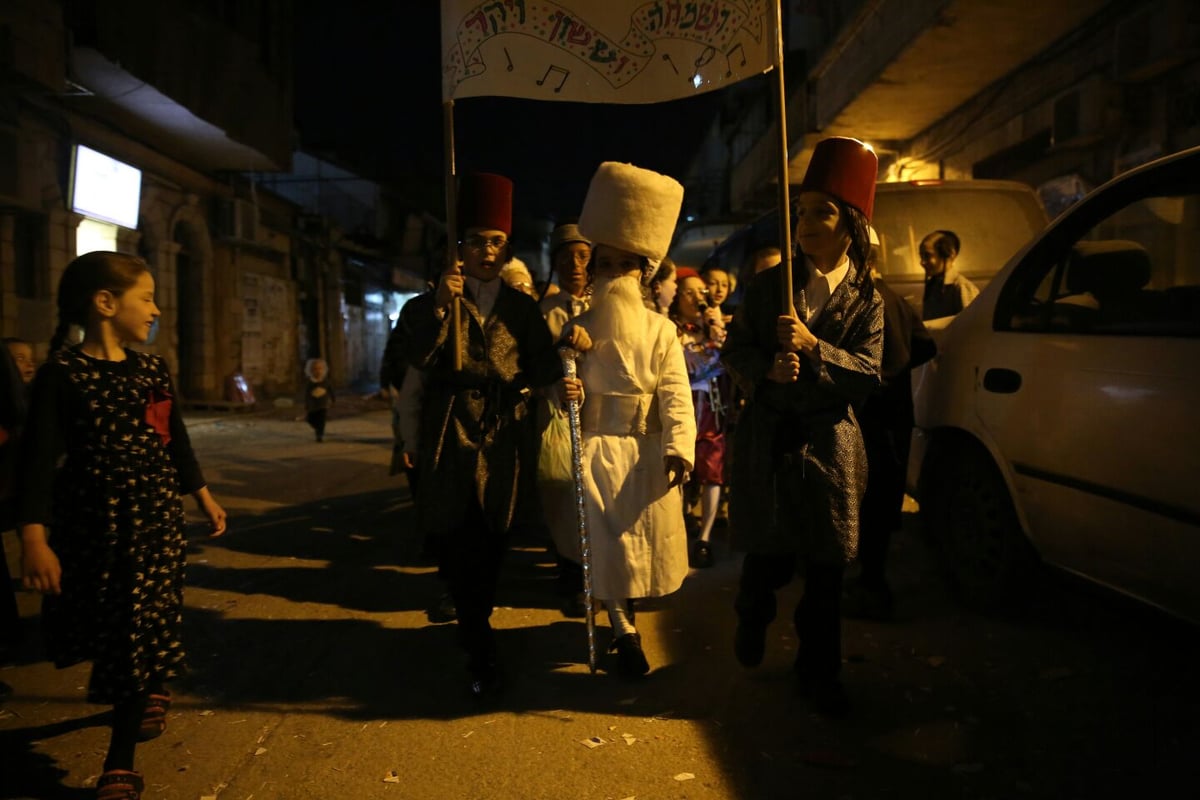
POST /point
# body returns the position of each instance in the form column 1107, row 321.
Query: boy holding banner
column 806, row 363
column 477, row 421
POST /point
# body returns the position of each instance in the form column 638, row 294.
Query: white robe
column 637, row 410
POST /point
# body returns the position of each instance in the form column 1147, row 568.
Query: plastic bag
column 554, row 458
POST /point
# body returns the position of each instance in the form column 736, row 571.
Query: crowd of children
column 667, row 372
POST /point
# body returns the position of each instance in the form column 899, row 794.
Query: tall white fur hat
column 632, row 209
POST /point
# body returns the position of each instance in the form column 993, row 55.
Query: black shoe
column 575, row 606
column 486, row 683
column 827, row 698
column 631, row 661
column 749, row 643
column 702, row 555
column 443, row 610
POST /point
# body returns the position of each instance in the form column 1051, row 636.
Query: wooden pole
column 785, row 215
column 452, row 227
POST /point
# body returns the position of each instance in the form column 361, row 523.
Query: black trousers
column 818, row 615
column 470, row 559
column 887, row 463
column 10, row 616
column 316, row 418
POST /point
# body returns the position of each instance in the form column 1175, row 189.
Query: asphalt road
column 316, row 673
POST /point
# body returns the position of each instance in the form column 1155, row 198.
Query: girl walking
column 103, row 534
column 702, row 332
column 318, row 395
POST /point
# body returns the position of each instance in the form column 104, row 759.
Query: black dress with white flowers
column 112, row 507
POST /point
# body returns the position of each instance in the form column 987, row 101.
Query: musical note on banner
column 667, row 58
column 509, row 57
column 705, row 57
column 552, row 68
column 737, row 48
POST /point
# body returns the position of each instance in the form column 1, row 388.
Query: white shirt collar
column 820, row 287
column 484, row 294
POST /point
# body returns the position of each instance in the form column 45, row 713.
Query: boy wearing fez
column 806, row 365
column 478, row 447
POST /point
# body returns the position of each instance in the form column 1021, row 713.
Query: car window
column 1135, row 272
column 992, row 226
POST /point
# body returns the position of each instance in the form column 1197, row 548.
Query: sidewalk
column 286, row 408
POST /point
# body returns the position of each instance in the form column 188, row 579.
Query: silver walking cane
column 568, row 356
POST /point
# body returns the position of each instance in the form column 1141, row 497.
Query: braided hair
column 85, row 276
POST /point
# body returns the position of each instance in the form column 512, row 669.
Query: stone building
column 193, row 100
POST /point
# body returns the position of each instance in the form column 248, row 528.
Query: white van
column 993, row 220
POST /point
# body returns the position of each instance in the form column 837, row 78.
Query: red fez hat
column 685, row 272
column 846, row 169
column 485, row 202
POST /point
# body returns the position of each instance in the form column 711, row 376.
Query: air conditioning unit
column 1156, row 38
column 1080, row 113
column 239, row 220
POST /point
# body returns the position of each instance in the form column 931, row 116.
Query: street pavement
column 317, row 673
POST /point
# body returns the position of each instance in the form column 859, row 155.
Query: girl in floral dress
column 102, row 534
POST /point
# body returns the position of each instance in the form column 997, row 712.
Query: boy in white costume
column 638, row 425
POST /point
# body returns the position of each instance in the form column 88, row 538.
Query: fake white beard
column 617, row 309
column 617, row 323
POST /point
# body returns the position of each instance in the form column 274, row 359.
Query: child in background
column 318, row 395
column 22, row 353
column 702, row 332
column 102, row 534
column 720, row 286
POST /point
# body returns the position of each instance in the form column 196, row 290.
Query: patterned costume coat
column 114, row 515
column 478, row 439
column 798, row 445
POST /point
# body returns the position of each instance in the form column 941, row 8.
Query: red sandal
column 120, row 784
column 154, row 718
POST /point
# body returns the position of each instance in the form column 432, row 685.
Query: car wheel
column 970, row 516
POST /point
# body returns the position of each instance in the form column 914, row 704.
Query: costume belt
column 620, row 414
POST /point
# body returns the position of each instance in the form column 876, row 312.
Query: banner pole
column 785, row 216
column 452, row 227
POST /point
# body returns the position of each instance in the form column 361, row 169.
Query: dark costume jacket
column 478, row 436
column 800, row 442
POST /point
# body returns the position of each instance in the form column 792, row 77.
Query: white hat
column 632, row 209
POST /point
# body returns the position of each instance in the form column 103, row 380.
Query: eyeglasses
column 477, row 242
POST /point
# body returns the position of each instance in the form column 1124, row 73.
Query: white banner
column 601, row 51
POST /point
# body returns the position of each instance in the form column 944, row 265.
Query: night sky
column 368, row 95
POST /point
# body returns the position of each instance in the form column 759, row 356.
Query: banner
column 601, row 51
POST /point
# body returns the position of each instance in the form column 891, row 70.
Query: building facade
column 194, row 99
column 1061, row 95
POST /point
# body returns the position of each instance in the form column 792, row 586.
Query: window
column 1136, row 272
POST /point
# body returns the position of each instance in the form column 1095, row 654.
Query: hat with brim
column 485, row 202
column 631, row 209
column 844, row 168
column 565, row 234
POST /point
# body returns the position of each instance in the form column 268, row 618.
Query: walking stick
column 568, row 356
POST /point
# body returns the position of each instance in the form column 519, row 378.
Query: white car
column 1060, row 420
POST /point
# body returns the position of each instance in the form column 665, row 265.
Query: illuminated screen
column 104, row 188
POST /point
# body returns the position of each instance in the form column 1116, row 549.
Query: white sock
column 618, row 617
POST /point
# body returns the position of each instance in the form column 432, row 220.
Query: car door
column 1091, row 389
